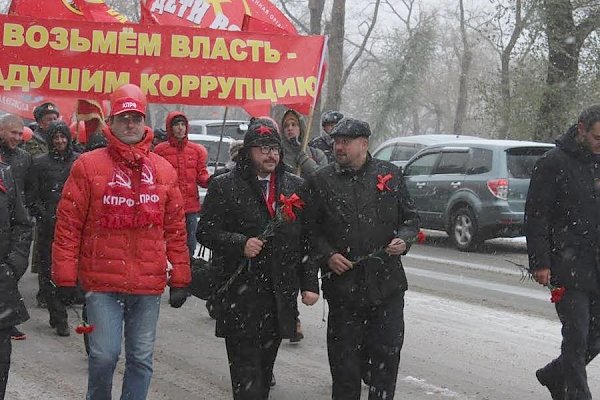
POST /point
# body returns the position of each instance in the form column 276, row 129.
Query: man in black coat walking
column 48, row 176
column 15, row 239
column 11, row 134
column 562, row 225
column 364, row 220
column 257, row 308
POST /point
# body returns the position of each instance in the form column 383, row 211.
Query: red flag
column 22, row 104
column 251, row 24
column 91, row 10
column 214, row 14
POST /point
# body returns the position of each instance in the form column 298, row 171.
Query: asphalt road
column 473, row 331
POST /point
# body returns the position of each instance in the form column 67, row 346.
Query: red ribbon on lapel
column 288, row 204
column 382, row 182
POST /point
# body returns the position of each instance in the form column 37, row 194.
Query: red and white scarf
column 131, row 199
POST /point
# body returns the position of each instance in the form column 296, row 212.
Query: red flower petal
column 421, row 237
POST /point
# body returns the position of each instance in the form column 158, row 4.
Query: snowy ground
column 453, row 350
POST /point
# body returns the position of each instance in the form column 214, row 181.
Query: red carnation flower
column 84, row 328
column 421, row 237
column 556, row 294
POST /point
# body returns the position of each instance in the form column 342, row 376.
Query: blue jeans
column 191, row 224
column 109, row 312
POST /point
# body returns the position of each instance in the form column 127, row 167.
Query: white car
column 235, row 129
column 400, row 149
column 218, row 153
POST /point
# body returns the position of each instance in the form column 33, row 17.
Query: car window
column 520, row 161
column 213, row 147
column 231, row 130
column 422, row 165
column 481, row 161
column 452, row 163
column 385, row 153
column 404, row 152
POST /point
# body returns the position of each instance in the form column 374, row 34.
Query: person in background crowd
column 15, row 240
column 363, row 220
column 189, row 160
column 298, row 161
column 305, row 162
column 561, row 226
column 260, row 306
column 234, row 151
column 44, row 115
column 324, row 142
column 119, row 220
column 11, row 135
column 48, row 175
column 160, row 136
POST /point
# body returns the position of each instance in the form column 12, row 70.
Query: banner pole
column 221, row 138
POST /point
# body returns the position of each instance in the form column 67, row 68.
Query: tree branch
column 362, row 46
column 296, row 21
column 589, row 24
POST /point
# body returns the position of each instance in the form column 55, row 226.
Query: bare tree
column 465, row 65
column 565, row 41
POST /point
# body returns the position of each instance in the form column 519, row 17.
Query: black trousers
column 5, row 350
column 579, row 313
column 365, row 341
column 251, row 363
column 57, row 310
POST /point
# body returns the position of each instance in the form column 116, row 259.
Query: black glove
column 67, row 294
column 178, row 296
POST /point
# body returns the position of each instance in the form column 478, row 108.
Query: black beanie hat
column 261, row 131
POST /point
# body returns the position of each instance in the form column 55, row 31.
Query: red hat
column 126, row 104
column 126, row 98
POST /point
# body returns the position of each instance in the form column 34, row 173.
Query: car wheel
column 463, row 230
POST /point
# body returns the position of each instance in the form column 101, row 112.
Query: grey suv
column 474, row 189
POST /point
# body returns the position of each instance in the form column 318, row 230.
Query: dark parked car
column 399, row 150
column 474, row 189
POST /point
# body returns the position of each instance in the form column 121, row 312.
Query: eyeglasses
column 126, row 118
column 268, row 149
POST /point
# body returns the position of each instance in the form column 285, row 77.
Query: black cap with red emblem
column 260, row 132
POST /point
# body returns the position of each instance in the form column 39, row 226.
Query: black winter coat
column 20, row 163
column 562, row 215
column 351, row 216
column 49, row 173
column 15, row 239
column 234, row 211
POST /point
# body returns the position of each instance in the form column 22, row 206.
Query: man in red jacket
column 189, row 160
column 119, row 219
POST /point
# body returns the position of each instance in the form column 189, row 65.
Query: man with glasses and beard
column 119, row 220
column 257, row 307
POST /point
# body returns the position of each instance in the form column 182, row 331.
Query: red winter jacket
column 115, row 229
column 189, row 160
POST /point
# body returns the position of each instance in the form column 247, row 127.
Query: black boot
column 555, row 384
column 62, row 329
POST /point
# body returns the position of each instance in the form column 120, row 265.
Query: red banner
column 23, row 104
column 215, row 14
column 92, row 10
column 173, row 65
